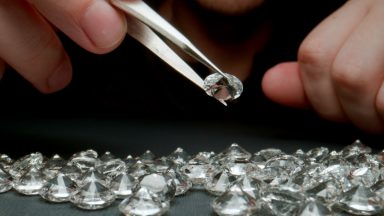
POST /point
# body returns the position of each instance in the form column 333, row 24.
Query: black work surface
column 122, row 137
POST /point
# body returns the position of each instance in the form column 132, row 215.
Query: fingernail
column 61, row 77
column 102, row 24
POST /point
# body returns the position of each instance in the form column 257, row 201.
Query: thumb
column 282, row 84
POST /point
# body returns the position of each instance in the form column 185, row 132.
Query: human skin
column 339, row 72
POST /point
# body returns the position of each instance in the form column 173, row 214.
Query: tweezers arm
column 153, row 42
column 141, row 11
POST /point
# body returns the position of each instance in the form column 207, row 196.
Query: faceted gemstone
column 223, row 88
column 198, row 173
column 107, row 156
column 183, row 184
column 122, row 185
column 324, row 188
column 85, row 160
column 71, row 172
column 286, row 163
column 378, row 188
column 138, row 169
column 179, row 157
column 5, row 181
column 361, row 201
column 129, row 161
column 58, row 189
column 240, row 168
column 24, row 164
column 219, row 183
column 53, row 166
column 160, row 184
column 161, row 165
column 234, row 153
column 269, row 153
column 111, row 167
column 143, row 203
column 365, row 176
column 304, row 176
column 5, row 162
column 147, row 157
column 93, row 175
column 284, row 200
column 30, row 183
column 355, row 149
column 234, row 202
column 251, row 186
column 312, row 207
column 93, row 195
column 318, row 155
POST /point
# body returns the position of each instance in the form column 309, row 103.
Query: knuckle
column 347, row 75
column 313, row 51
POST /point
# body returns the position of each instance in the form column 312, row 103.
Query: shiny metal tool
column 143, row 22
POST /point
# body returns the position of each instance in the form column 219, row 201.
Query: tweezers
column 143, row 22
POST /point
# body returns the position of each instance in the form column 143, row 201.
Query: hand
column 340, row 68
column 29, row 43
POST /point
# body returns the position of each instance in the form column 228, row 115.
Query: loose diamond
column 234, row 202
column 223, row 88
column 93, row 195
column 5, row 181
column 24, row 164
column 361, row 201
column 58, row 189
column 30, row 183
column 53, row 166
column 219, row 183
column 123, row 185
column 314, row 208
column 160, row 184
column 143, row 203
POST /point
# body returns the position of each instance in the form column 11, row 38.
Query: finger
column 317, row 53
column 283, row 84
column 93, row 24
column 30, row 46
column 358, row 70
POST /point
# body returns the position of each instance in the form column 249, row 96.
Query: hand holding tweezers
column 143, row 22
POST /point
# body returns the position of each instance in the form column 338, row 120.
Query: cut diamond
column 30, row 183
column 223, row 88
column 143, row 203
column 93, row 195
column 160, row 184
column 219, row 183
column 234, row 202
column 123, row 185
column 5, row 181
column 53, row 166
column 361, row 201
column 58, row 189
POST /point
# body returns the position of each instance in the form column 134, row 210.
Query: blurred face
column 230, row 6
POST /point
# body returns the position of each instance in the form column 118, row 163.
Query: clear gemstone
column 123, row 185
column 53, row 166
column 138, row 169
column 147, row 157
column 143, row 203
column 183, row 184
column 179, row 157
column 312, row 207
column 198, row 173
column 85, row 160
column 269, row 153
column 223, row 88
column 251, row 186
column 129, row 161
column 161, row 165
column 234, row 153
column 355, row 149
column 5, row 181
column 5, row 162
column 219, row 183
column 365, row 176
column 58, row 189
column 160, row 184
column 93, row 195
column 111, row 168
column 24, row 164
column 318, row 155
column 362, row 201
column 93, row 175
column 72, row 172
column 30, row 183
column 324, row 188
column 234, row 202
column 107, row 156
column 284, row 200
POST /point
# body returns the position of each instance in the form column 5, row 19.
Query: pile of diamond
column 269, row 182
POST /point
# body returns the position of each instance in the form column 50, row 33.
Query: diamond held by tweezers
column 223, row 88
